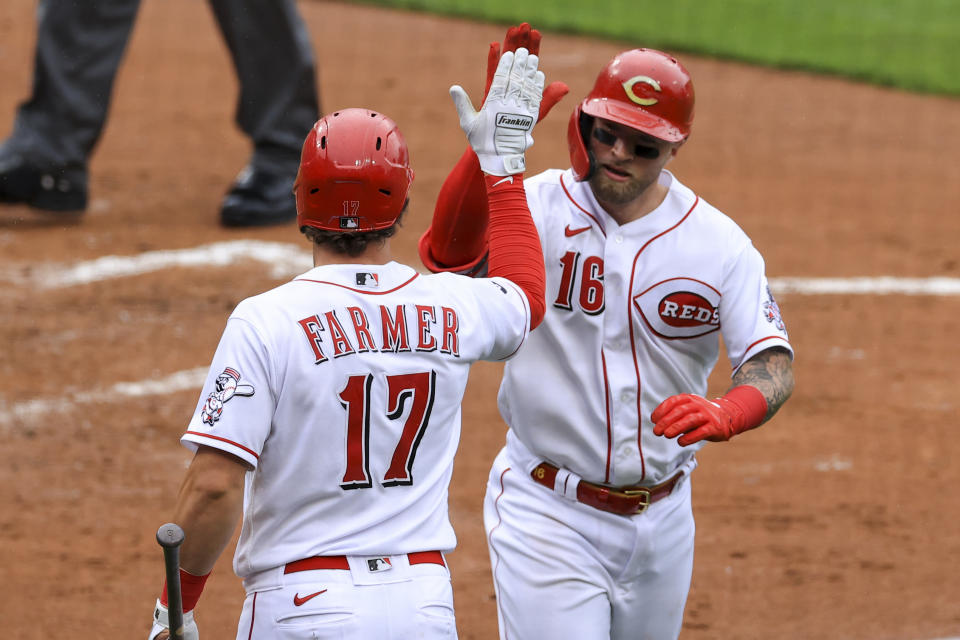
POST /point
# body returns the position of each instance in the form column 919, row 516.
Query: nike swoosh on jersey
column 297, row 600
column 572, row 232
column 507, row 179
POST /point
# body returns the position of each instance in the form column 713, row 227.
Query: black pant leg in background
column 79, row 47
column 80, row 44
column 273, row 56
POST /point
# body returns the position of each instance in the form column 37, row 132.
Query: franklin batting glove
column 500, row 133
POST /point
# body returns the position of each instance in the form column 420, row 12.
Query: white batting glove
column 161, row 622
column 500, row 132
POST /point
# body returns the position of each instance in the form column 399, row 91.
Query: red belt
column 624, row 501
column 340, row 562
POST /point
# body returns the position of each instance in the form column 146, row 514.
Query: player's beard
column 614, row 192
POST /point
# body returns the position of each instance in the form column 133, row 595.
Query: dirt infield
column 836, row 520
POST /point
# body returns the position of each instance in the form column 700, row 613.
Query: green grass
column 900, row 43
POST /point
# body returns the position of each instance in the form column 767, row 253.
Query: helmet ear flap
column 581, row 160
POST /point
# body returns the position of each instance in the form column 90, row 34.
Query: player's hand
column 694, row 418
column 529, row 39
column 500, row 133
column 161, row 625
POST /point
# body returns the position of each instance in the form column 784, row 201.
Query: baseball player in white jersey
column 331, row 413
column 588, row 511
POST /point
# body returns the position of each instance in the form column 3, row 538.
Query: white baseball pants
column 404, row 602
column 566, row 571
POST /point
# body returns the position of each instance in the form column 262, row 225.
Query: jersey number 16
column 590, row 283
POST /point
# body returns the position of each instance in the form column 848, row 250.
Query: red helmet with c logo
column 644, row 89
column 354, row 173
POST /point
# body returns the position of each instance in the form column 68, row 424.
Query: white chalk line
column 286, row 259
column 30, row 411
column 882, row 285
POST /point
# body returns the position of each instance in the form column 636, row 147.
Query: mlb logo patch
column 376, row 565
column 366, row 279
column 349, row 222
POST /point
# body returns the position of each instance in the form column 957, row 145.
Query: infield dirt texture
column 836, row 520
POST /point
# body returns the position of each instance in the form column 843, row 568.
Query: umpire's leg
column 79, row 47
column 278, row 103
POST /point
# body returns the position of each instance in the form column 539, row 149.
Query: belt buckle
column 643, row 493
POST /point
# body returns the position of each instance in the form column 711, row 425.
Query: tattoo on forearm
column 770, row 371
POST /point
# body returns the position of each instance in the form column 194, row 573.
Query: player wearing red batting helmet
column 354, row 173
column 588, row 508
column 643, row 89
column 336, row 449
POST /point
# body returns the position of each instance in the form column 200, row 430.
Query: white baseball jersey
column 634, row 316
column 342, row 390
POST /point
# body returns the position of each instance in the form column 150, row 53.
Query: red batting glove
column 694, row 418
column 529, row 39
column 521, row 36
column 551, row 96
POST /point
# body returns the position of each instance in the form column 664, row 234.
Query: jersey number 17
column 417, row 388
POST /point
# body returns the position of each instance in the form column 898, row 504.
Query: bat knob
column 170, row 535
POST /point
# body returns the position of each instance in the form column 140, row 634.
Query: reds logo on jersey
column 225, row 388
column 680, row 308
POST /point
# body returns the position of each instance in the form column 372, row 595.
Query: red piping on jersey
column 526, row 304
column 633, row 340
column 751, row 346
column 496, row 506
column 253, row 615
column 371, row 293
column 606, row 400
column 657, row 284
column 237, row 445
column 577, row 205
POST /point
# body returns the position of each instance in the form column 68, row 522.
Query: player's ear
column 675, row 147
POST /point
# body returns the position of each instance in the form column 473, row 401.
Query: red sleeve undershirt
column 515, row 251
column 475, row 221
column 457, row 237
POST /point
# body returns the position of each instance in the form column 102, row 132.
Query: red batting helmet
column 354, row 173
column 644, row 89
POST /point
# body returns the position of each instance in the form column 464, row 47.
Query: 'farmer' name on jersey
column 342, row 332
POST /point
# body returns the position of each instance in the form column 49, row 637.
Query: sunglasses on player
column 609, row 138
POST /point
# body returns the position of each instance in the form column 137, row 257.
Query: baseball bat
column 170, row 537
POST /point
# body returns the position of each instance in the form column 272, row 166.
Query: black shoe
column 24, row 181
column 259, row 198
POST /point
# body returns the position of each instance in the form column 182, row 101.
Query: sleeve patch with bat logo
column 226, row 387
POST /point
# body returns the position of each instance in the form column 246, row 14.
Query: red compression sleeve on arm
column 457, row 237
column 746, row 405
column 515, row 251
column 191, row 587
